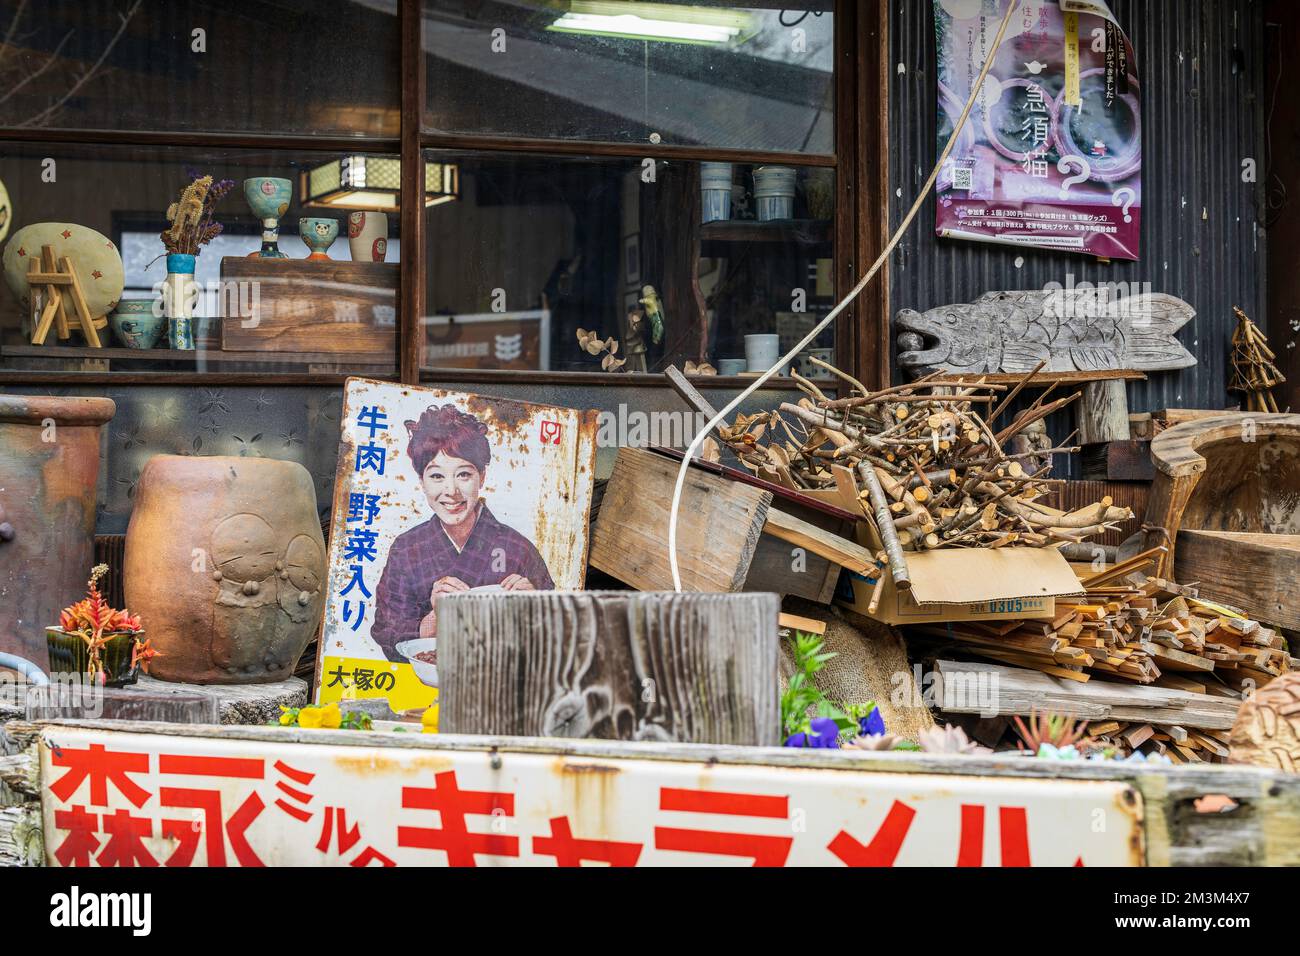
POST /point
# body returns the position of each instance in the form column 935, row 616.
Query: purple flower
column 871, row 725
column 825, row 733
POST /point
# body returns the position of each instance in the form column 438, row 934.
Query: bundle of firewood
column 933, row 469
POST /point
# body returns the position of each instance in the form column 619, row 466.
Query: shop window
column 100, row 212
column 674, row 261
column 307, row 66
column 699, row 73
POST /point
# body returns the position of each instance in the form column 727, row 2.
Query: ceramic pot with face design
column 226, row 561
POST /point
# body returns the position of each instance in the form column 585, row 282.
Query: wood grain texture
column 1237, row 471
column 717, row 532
column 1023, row 691
column 1254, row 572
column 693, row 668
column 1103, row 413
column 1071, row 329
column 1267, row 731
column 305, row 306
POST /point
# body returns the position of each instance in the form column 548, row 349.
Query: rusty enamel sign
column 442, row 492
column 114, row 798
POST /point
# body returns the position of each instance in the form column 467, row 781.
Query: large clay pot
column 49, row 466
column 225, row 564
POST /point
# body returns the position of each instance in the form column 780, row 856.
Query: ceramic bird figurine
column 654, row 311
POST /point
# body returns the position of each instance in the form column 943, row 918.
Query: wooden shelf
column 718, row 239
column 212, row 356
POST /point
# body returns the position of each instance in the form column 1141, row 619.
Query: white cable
column 784, row 361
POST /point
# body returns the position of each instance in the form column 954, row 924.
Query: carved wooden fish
column 1073, row 329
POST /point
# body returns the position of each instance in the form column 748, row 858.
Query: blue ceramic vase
column 179, row 295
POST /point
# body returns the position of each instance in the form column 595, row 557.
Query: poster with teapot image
column 1051, row 154
column 440, row 493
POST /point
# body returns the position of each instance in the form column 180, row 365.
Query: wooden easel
column 61, row 288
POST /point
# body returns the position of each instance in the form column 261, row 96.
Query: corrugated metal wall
column 1201, row 70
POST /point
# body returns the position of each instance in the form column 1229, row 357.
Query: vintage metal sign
column 438, row 493
column 126, row 799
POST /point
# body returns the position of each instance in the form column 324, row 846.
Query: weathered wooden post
column 624, row 665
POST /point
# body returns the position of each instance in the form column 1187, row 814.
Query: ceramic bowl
column 134, row 324
column 428, row 673
column 268, row 196
column 318, row 235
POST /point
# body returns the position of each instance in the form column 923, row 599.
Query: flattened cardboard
column 955, row 584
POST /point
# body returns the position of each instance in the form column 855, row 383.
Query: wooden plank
column 1023, row 691
column 580, row 663
column 1103, row 413
column 796, row 623
column 314, row 306
column 1251, row 571
column 716, row 541
column 1118, row 461
column 803, row 534
column 1042, row 379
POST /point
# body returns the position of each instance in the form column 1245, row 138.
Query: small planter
column 69, row 654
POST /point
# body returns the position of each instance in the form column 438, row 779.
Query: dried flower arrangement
column 92, row 620
column 192, row 225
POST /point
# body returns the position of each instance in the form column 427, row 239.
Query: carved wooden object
column 696, row 668
column 1071, row 330
column 1236, row 472
column 1267, row 731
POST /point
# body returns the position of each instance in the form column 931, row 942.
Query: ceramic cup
column 805, row 367
column 318, row 235
column 731, row 366
column 774, row 192
column 134, row 324
column 368, row 236
column 761, row 352
column 269, row 198
column 715, row 191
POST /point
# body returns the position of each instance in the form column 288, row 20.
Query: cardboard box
column 966, row 584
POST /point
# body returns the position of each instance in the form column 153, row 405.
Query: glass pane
column 534, row 251
column 700, row 73
column 230, row 304
column 293, row 66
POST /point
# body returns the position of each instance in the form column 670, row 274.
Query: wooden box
column 306, row 306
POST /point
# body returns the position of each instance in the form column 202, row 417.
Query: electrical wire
column 785, row 360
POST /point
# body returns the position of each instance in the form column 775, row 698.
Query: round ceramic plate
column 98, row 264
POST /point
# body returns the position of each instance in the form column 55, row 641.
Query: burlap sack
column 867, row 660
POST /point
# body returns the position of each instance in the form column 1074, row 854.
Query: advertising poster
column 1051, row 155
column 438, row 493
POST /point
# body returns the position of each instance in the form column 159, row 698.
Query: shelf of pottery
column 266, row 311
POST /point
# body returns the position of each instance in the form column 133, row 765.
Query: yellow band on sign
column 1072, row 97
column 360, row 678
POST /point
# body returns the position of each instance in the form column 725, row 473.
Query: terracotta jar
column 49, row 468
column 225, row 564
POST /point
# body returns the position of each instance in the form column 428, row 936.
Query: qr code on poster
column 961, row 178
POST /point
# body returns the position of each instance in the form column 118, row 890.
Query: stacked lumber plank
column 1147, row 630
column 1180, row 744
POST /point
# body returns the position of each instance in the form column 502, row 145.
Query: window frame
column 860, row 227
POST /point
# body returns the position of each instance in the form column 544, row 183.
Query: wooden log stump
column 623, row 665
column 1103, row 413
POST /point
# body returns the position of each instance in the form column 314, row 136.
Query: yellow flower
column 330, row 716
column 429, row 720
column 310, row 717
column 286, row 718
